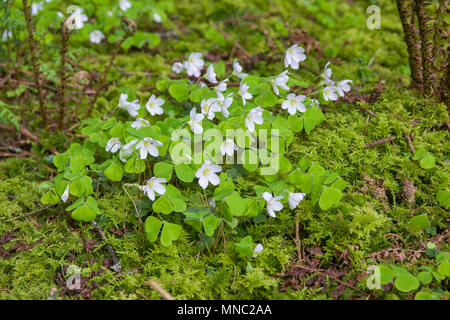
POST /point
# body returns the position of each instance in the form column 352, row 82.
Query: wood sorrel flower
column 124, row 5
column 228, row 147
column 207, row 174
column 224, row 103
column 343, row 86
column 113, row 145
column 126, row 150
column 147, row 145
column 194, row 64
column 177, row 67
column 131, row 107
column 295, row 198
column 237, row 68
column 222, row 86
column 154, row 104
column 254, row 116
column 243, row 91
column 280, row 81
column 211, row 74
column 258, row 248
column 195, row 122
column 293, row 103
column 329, row 93
column 272, row 203
column 139, row 123
column 65, row 194
column 154, row 185
column 96, row 36
column 294, row 55
column 209, row 107
column 156, row 17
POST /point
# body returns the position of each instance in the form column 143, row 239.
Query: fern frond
column 8, row 117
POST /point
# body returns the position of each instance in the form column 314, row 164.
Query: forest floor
column 324, row 256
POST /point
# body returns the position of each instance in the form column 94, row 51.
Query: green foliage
column 333, row 146
column 7, row 116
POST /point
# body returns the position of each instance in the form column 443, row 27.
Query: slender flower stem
column 65, row 35
column 130, row 28
column 35, row 62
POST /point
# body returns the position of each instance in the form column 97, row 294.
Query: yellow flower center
column 293, row 101
column 206, row 172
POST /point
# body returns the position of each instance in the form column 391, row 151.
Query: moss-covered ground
column 374, row 214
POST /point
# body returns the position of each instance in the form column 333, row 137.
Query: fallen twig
column 141, row 295
column 297, row 240
column 327, row 275
column 408, row 138
column 366, row 110
column 381, row 141
column 161, row 291
column 30, row 213
column 117, row 267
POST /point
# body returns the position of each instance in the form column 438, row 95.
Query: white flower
column 254, row 116
column 224, row 103
column 124, row 5
column 272, row 203
column 36, row 7
column 202, row 84
column 329, row 93
column 154, row 185
column 258, row 248
column 228, row 147
column 293, row 103
column 280, row 81
column 211, row 75
column 147, row 145
column 195, row 121
column 76, row 19
column 59, row 14
column 65, row 194
column 139, row 123
column 154, row 104
column 222, row 86
column 238, row 70
column 126, row 150
column 243, row 91
column 327, row 72
column 212, row 203
column 96, row 36
column 156, row 17
column 113, row 145
column 207, row 174
column 314, row 103
column 110, row 13
column 177, row 67
column 343, row 86
column 194, row 64
column 131, row 107
column 294, row 55
column 208, row 108
column 6, row 35
column 295, row 198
